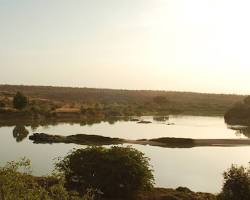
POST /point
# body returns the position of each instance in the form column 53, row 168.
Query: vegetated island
column 84, row 139
column 62, row 104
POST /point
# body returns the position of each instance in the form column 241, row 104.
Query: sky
column 178, row 45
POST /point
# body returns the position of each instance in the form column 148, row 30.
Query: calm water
column 198, row 168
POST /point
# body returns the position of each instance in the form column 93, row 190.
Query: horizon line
column 124, row 89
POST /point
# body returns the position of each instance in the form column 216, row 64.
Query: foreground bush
column 115, row 171
column 16, row 183
column 236, row 184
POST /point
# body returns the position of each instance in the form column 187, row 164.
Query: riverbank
column 180, row 193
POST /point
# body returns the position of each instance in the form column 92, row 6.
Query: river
column 198, row 168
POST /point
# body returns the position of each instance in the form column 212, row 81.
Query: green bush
column 115, row 171
column 16, row 182
column 20, row 101
column 236, row 184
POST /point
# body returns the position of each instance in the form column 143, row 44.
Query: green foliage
column 115, row 171
column 16, row 182
column 16, row 185
column 236, row 184
column 41, row 110
column 20, row 101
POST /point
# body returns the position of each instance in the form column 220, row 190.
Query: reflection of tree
column 34, row 126
column 112, row 121
column 90, row 121
column 161, row 118
column 245, row 131
column 20, row 133
column 242, row 131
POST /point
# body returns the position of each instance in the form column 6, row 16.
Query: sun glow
column 167, row 44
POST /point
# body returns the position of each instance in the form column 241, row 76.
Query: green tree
column 236, row 184
column 20, row 101
column 116, row 171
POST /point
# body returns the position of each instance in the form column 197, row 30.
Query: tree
column 236, row 184
column 20, row 101
column 116, row 172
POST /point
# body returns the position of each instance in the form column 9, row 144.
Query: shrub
column 236, row 184
column 116, row 172
column 16, row 182
column 20, row 101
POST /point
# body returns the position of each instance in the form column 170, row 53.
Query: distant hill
column 184, row 102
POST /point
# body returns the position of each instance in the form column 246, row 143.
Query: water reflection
column 128, row 128
column 161, row 118
column 35, row 123
column 20, row 133
column 168, row 163
column 241, row 130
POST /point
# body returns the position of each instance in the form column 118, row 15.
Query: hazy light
column 136, row 44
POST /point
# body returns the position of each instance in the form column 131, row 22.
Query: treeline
column 130, row 101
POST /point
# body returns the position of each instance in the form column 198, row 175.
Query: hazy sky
column 190, row 45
